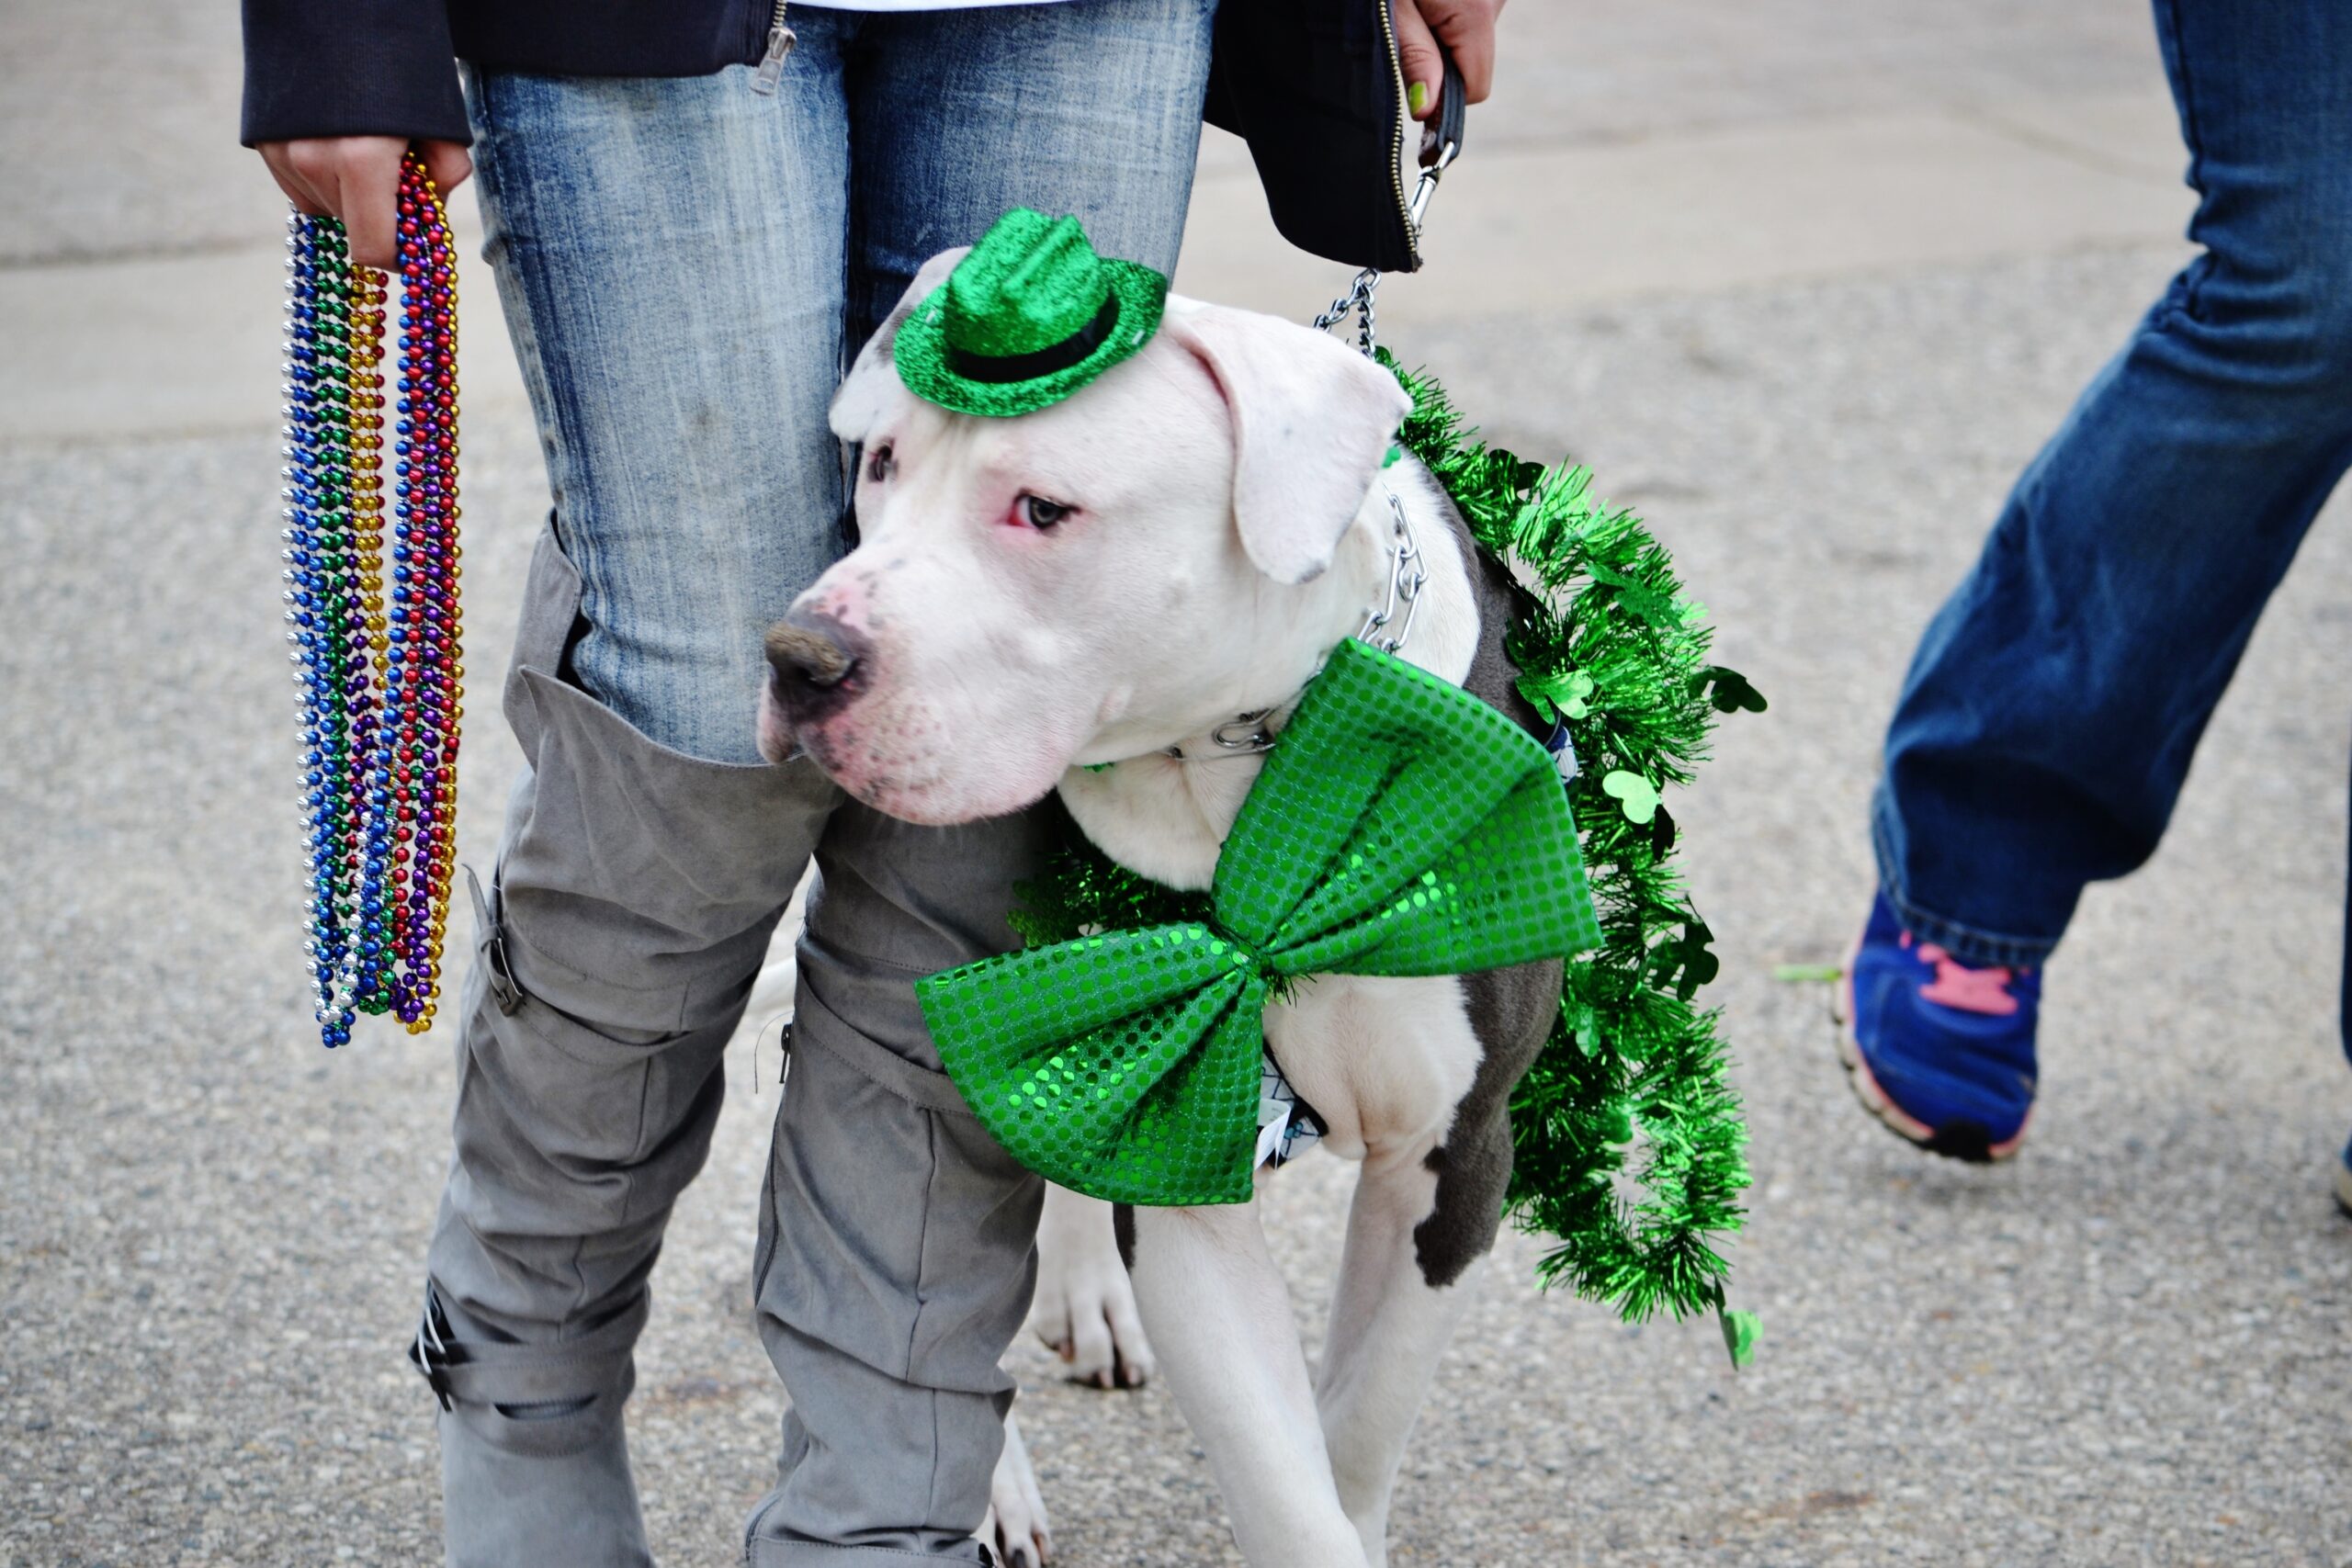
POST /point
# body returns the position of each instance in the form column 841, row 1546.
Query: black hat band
column 1071, row 350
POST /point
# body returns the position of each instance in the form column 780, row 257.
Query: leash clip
column 1436, row 158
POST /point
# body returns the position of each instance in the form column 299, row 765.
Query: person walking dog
column 2051, row 712
column 696, row 212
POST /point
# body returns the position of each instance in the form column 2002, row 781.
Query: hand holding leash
column 1447, row 50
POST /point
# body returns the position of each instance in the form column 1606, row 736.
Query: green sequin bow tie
column 1402, row 827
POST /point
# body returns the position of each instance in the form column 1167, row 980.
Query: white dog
column 1118, row 577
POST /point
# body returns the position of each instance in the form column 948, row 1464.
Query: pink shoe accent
column 1970, row 990
column 1881, row 1104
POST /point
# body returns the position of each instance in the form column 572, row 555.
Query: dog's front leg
column 1389, row 1327
column 1085, row 1306
column 1217, row 1310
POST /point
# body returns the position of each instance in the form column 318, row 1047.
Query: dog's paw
column 1087, row 1318
column 1085, row 1305
column 1015, row 1529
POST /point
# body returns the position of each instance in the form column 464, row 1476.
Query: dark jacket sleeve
column 350, row 68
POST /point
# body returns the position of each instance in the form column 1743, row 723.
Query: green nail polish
column 1416, row 96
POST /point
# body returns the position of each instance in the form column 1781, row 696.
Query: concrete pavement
column 1807, row 282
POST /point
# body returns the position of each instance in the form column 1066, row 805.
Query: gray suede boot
column 550, row 1489
column 534, row 1480
column 635, row 892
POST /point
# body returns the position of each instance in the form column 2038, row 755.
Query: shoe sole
column 1963, row 1141
column 2344, row 1187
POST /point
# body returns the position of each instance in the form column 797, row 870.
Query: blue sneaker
column 1940, row 1053
column 2344, row 1179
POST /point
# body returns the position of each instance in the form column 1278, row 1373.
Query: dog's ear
column 1311, row 420
column 859, row 402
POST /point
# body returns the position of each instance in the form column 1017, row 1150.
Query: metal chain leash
column 1406, row 574
column 1358, row 297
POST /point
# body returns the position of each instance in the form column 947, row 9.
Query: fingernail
column 1416, row 97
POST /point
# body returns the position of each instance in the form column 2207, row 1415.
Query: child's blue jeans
column 2052, row 707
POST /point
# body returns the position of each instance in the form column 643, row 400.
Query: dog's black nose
column 810, row 655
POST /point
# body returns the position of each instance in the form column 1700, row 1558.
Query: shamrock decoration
column 1568, row 694
column 1733, row 694
column 1582, row 1023
column 1658, row 609
column 1741, row 1330
column 1636, row 795
column 1685, row 963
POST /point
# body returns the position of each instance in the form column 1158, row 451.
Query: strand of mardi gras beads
column 375, row 634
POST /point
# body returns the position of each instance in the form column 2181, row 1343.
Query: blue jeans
column 687, row 265
column 2052, row 707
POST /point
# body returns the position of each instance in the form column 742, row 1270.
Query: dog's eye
column 1038, row 512
column 880, row 463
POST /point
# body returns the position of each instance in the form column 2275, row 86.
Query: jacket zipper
column 1397, row 148
column 780, row 42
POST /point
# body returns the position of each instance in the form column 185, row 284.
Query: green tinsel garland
column 1608, row 644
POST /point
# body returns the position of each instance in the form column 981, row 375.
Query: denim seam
column 547, row 406
column 557, row 450
column 853, row 249
column 2192, row 276
column 1968, row 944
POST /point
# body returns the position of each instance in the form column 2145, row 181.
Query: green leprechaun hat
column 1029, row 317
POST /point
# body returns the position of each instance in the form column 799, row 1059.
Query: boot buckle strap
column 490, row 941
column 433, row 1351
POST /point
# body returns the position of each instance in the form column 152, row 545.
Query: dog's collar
column 1249, row 734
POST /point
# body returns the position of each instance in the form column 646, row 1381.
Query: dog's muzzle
column 815, row 665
